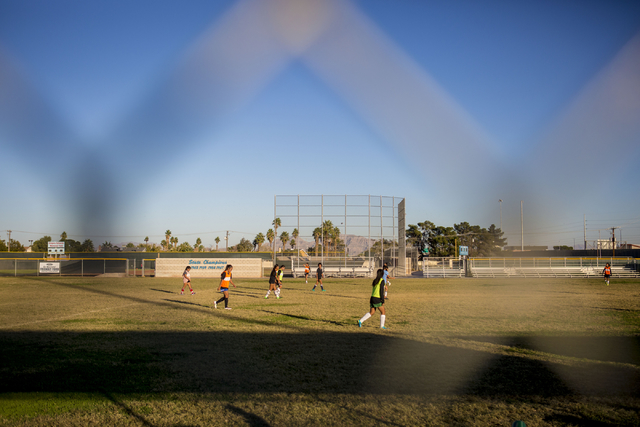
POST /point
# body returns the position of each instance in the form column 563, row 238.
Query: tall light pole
column 9, row 241
column 521, row 228
column 500, row 214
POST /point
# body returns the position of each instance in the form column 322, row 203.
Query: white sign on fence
column 56, row 248
column 208, row 267
column 50, row 267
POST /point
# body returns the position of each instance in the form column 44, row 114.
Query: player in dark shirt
column 319, row 274
column 273, row 283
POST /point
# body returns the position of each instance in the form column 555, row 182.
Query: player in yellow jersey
column 376, row 300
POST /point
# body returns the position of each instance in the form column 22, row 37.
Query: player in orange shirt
column 607, row 273
column 225, row 280
column 307, row 270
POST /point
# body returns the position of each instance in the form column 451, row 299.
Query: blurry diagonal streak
column 243, row 51
column 597, row 136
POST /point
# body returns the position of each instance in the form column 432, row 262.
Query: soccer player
column 376, row 300
column 186, row 280
column 273, row 283
column 307, row 270
column 225, row 279
column 606, row 273
column 386, row 278
column 280, row 277
column 319, row 274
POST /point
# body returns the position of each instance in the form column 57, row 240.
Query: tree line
column 441, row 241
column 327, row 232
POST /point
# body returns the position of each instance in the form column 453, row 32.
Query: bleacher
column 351, row 267
column 552, row 267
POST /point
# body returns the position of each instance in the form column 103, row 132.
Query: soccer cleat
column 359, row 323
column 383, row 327
column 323, row 290
column 313, row 289
column 193, row 293
column 215, row 304
column 181, row 293
column 266, row 297
column 227, row 308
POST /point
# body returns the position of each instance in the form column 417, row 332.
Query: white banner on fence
column 50, row 267
column 208, row 267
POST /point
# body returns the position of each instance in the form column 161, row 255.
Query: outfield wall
column 208, row 267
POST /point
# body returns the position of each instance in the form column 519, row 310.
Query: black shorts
column 376, row 302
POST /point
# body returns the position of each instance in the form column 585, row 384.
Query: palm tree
column 63, row 236
column 164, row 244
column 259, row 240
column 327, row 228
column 270, row 236
column 293, row 244
column 146, row 241
column 294, row 237
column 217, row 241
column 317, row 233
column 198, row 243
column 335, row 237
column 174, row 241
column 276, row 223
column 167, row 236
column 284, row 238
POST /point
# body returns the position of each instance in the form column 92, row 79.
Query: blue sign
column 463, row 250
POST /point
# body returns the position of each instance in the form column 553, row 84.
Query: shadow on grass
column 187, row 303
column 251, row 419
column 605, row 349
column 332, row 322
column 162, row 290
column 127, row 410
column 571, row 420
column 270, row 362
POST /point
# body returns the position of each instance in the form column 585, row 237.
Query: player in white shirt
column 186, row 280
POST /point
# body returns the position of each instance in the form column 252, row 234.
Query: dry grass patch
column 99, row 351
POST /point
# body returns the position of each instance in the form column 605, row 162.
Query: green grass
column 132, row 351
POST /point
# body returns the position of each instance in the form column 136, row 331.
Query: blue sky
column 121, row 120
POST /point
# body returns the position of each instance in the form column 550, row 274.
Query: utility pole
column 585, row 232
column 613, row 239
column 521, row 228
column 500, row 214
column 9, row 241
column 226, row 242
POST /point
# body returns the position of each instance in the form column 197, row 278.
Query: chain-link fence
column 68, row 267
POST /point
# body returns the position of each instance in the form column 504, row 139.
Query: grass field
column 98, row 351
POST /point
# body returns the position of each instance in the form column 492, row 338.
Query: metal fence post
column 82, row 267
